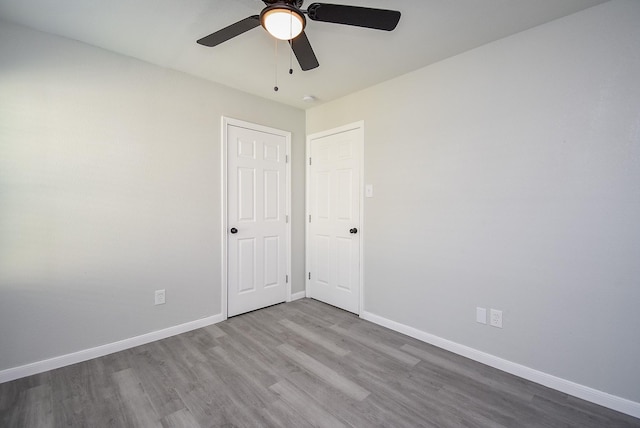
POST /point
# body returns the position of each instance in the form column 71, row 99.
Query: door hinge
column 286, row 219
column 287, row 279
column 309, row 161
column 286, row 158
column 309, row 218
column 309, row 275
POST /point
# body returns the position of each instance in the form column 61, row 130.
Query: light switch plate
column 368, row 191
column 481, row 315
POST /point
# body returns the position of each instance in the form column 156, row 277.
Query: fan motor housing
column 295, row 3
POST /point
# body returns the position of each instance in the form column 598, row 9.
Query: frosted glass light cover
column 283, row 24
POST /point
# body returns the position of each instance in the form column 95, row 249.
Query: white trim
column 290, row 220
column 568, row 387
column 362, row 230
column 225, row 123
column 102, row 350
column 298, row 295
column 359, row 125
column 223, row 216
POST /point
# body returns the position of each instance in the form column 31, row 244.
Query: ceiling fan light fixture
column 282, row 21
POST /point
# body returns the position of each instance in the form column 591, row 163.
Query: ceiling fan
column 285, row 20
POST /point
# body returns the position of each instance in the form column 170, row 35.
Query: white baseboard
column 100, row 351
column 298, row 295
column 577, row 390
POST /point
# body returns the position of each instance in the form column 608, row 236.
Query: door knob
column 354, row 230
column 233, row 230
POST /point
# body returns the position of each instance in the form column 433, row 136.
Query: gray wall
column 508, row 177
column 110, row 189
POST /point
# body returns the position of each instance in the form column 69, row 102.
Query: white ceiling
column 164, row 32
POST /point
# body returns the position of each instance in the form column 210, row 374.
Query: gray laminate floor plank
column 614, row 418
column 282, row 414
column 150, row 367
column 357, row 413
column 39, row 409
column 451, row 368
column 179, row 419
column 317, row 338
column 139, row 411
column 9, row 403
column 305, row 406
column 376, row 345
column 92, row 396
column 341, row 383
column 242, row 379
column 209, row 401
column 301, row 364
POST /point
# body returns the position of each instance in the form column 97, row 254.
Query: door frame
column 224, row 201
column 361, row 229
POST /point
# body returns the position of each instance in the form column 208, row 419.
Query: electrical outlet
column 496, row 318
column 160, row 297
column 481, row 315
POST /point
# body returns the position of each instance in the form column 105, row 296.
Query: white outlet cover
column 495, row 318
column 481, row 315
column 160, row 297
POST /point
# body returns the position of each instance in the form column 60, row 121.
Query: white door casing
column 256, row 225
column 334, row 216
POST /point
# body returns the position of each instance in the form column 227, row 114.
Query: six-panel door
column 334, row 203
column 256, row 183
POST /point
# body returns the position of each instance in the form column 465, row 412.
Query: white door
column 257, row 219
column 333, row 216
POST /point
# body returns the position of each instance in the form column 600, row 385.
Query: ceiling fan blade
column 379, row 19
column 304, row 52
column 230, row 32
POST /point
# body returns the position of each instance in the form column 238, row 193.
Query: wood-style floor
column 300, row 364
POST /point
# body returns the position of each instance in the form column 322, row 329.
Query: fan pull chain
column 275, row 88
column 291, row 60
column 290, row 42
